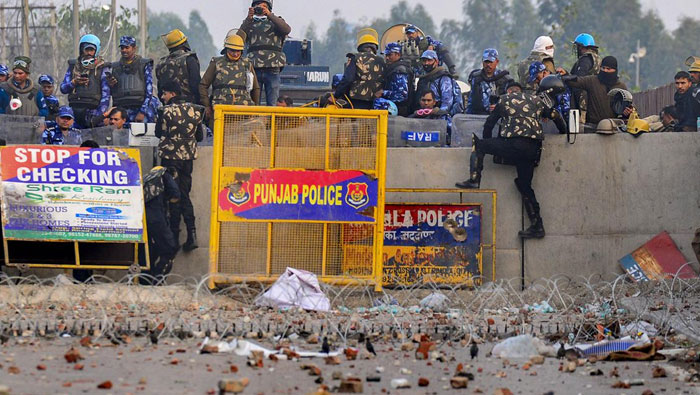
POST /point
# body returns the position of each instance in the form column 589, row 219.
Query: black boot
column 536, row 229
column 191, row 242
column 476, row 165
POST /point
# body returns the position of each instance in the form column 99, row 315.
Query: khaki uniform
column 521, row 116
column 177, row 128
column 369, row 76
column 524, row 68
column 229, row 80
column 173, row 67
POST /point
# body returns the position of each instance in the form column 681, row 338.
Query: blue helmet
column 90, row 39
column 585, row 40
column 336, row 80
column 4, row 70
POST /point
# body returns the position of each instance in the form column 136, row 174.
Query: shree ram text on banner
column 71, row 193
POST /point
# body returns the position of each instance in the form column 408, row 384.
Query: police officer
column 231, row 77
column 265, row 35
column 364, row 72
column 131, row 83
column 19, row 95
column 46, row 82
column 488, row 83
column 519, row 143
column 543, row 52
column 61, row 131
column 4, row 73
column 159, row 190
column 85, row 83
column 415, row 45
column 181, row 65
column 179, row 129
column 438, row 80
column 587, row 63
column 398, row 81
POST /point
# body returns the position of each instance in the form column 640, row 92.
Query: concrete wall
column 601, row 198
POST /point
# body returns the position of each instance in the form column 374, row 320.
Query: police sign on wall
column 71, row 193
column 420, row 243
column 312, row 195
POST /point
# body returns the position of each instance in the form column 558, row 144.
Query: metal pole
column 76, row 28
column 54, row 42
column 25, row 27
column 115, row 38
column 3, row 51
column 143, row 27
column 636, row 81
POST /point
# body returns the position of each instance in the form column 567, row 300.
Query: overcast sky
column 222, row 15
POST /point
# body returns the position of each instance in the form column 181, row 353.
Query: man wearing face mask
column 597, row 88
column 131, row 83
column 231, row 77
column 85, row 83
column 543, row 52
column 265, row 35
column 438, row 80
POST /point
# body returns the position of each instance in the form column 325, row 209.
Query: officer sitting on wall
column 398, row 82
column 159, row 190
column 131, row 83
column 50, row 100
column 429, row 109
column 363, row 76
column 519, row 143
column 57, row 132
column 415, row 46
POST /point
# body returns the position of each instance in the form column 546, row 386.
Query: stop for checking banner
column 71, row 193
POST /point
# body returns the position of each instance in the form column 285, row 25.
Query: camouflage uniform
column 181, row 66
column 265, row 38
column 178, row 127
column 524, row 65
column 519, row 143
column 229, row 81
column 53, row 135
column 362, row 78
column 159, row 188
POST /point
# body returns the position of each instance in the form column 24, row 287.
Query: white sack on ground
column 295, row 288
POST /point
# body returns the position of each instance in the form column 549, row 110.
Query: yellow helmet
column 694, row 63
column 367, row 36
column 234, row 41
column 637, row 126
column 173, row 38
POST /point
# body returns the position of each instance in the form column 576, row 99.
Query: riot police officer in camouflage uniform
column 265, row 35
column 181, row 66
column 179, row 129
column 159, row 190
column 587, row 63
column 364, row 72
column 519, row 143
column 231, row 77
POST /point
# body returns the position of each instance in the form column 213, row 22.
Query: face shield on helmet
column 90, row 40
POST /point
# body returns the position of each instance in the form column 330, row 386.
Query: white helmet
column 542, row 43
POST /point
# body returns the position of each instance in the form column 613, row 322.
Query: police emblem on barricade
column 238, row 193
column 356, row 195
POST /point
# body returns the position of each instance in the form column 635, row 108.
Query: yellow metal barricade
column 290, row 186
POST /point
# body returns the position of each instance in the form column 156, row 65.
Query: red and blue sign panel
column 310, row 195
column 657, row 259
